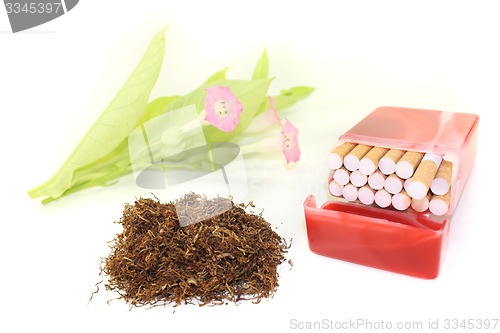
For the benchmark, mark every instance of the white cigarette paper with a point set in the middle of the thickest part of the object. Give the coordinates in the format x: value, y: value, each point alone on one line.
x: 335, y: 159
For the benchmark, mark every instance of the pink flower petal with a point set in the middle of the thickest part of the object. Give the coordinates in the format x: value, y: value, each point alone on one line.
x: 222, y: 108
x: 275, y: 116
x: 265, y: 121
x: 291, y: 148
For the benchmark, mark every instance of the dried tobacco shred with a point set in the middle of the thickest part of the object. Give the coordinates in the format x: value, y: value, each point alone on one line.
x: 232, y: 256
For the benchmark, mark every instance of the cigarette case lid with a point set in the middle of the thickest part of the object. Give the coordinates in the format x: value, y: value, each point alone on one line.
x: 414, y: 129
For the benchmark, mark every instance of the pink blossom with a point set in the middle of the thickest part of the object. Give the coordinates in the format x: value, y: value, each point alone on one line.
x: 290, y: 142
x: 222, y: 108
x: 274, y: 113
x: 267, y: 120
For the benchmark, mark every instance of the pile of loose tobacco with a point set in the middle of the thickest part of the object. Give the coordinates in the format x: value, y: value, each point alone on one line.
x: 231, y: 256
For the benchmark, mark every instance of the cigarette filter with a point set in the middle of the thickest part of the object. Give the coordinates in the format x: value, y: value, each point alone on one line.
x: 387, y: 163
x: 369, y: 163
x: 336, y: 158
x: 393, y: 184
x: 408, y: 163
x: 440, y: 204
x: 442, y: 182
x: 383, y: 198
x: 358, y: 179
x: 351, y: 160
x: 341, y: 176
x: 366, y: 195
x: 401, y: 200
x: 335, y: 188
x: 377, y: 180
x: 421, y: 205
x: 350, y: 192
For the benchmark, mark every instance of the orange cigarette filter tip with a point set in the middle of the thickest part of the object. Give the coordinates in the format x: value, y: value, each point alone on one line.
x: 424, y: 175
x: 335, y: 159
x: 351, y: 160
x: 442, y: 182
x: 387, y: 164
x: 408, y: 163
x: 369, y: 163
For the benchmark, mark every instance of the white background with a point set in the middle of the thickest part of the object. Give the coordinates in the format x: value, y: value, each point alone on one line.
x: 55, y: 80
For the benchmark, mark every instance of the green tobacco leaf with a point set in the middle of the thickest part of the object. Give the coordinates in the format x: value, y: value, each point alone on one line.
x: 157, y: 107
x: 288, y: 97
x: 218, y: 76
x: 115, y: 123
x: 261, y: 70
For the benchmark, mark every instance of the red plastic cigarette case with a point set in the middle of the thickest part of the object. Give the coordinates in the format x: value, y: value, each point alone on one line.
x: 405, y: 242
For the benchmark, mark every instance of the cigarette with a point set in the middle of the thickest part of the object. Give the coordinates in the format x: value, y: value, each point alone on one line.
x: 369, y: 163
x: 358, y: 179
x: 393, y: 184
x: 336, y: 158
x: 405, y: 184
x: 439, y: 204
x: 366, y: 195
x: 341, y: 176
x: 401, y: 200
x: 350, y: 192
x: 442, y: 182
x: 424, y: 175
x: 335, y: 188
x: 383, y: 198
x: 408, y: 163
x: 377, y: 180
x: 421, y: 205
x: 351, y: 160
x: 387, y: 163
